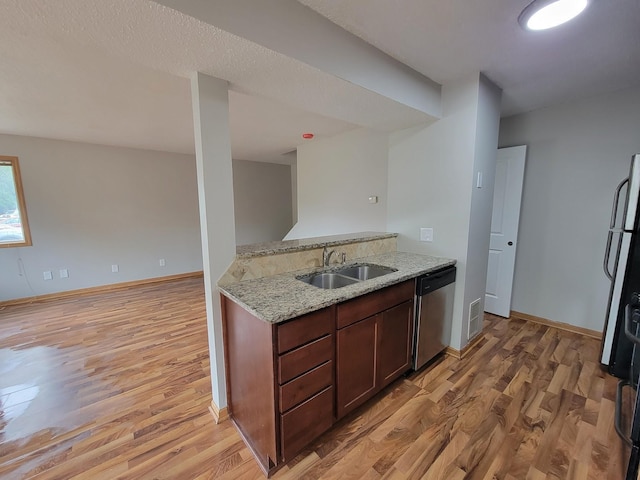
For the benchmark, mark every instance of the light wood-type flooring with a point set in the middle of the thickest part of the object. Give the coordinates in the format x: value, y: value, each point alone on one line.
x: 116, y: 385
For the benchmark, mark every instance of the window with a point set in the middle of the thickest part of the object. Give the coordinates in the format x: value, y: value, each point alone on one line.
x: 14, y: 229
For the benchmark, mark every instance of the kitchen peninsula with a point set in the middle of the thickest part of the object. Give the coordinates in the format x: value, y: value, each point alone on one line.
x: 299, y: 357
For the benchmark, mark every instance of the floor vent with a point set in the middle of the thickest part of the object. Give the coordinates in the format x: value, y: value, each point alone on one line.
x: 475, y: 319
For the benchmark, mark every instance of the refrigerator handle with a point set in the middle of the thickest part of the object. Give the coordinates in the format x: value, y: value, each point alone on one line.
x: 616, y: 201
x: 631, y: 315
x: 612, y: 224
x: 607, y: 254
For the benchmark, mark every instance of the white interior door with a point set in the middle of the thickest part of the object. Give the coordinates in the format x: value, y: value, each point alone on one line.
x: 507, y: 196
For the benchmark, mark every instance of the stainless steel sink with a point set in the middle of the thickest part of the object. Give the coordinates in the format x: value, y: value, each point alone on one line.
x: 327, y: 280
x: 365, y: 271
x: 344, y: 276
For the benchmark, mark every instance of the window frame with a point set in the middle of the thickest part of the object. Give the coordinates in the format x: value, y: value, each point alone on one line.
x: 22, y: 206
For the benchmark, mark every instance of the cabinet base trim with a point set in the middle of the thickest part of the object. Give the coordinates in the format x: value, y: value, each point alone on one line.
x: 219, y: 414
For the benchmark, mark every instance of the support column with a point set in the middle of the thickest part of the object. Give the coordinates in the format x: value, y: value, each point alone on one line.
x: 210, y: 99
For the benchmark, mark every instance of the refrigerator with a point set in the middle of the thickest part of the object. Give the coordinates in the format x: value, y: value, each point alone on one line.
x: 622, y: 267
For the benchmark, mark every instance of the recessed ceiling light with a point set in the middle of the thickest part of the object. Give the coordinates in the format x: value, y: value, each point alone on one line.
x: 543, y: 14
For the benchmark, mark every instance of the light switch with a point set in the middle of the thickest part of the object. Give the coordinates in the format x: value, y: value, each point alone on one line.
x: 64, y: 273
x: 115, y: 268
x: 373, y: 199
x: 426, y: 234
x: 47, y: 275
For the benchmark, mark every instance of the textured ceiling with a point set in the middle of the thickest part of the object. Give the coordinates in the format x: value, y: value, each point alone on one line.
x: 116, y: 72
x: 597, y: 52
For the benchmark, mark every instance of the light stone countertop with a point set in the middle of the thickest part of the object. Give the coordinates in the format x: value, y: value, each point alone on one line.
x: 272, y: 248
x: 281, y: 297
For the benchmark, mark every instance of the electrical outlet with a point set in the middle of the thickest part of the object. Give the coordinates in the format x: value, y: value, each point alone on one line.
x: 47, y: 275
x: 426, y: 234
x: 115, y: 268
x: 162, y: 262
x: 64, y: 273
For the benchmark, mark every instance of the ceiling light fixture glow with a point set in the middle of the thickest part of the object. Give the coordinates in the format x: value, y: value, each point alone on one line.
x: 543, y: 14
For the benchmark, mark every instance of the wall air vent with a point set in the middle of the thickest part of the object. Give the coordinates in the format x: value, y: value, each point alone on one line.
x: 475, y: 319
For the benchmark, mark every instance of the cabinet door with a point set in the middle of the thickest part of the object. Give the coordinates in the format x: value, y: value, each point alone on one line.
x: 356, y: 364
x: 394, y: 342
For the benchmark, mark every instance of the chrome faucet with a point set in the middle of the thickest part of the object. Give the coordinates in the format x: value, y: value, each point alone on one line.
x: 326, y: 256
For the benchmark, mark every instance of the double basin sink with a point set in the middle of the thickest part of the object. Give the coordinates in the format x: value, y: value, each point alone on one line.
x: 344, y: 276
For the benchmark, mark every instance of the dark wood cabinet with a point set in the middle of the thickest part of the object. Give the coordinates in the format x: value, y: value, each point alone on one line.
x: 280, y: 380
x: 305, y: 367
x: 305, y: 386
x: 306, y: 422
x: 250, y: 375
x: 394, y: 342
x: 304, y: 358
x: 287, y: 383
x: 356, y: 352
x: 373, y: 344
x: 372, y: 303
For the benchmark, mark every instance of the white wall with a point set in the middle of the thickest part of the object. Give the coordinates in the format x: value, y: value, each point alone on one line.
x: 336, y: 176
x: 291, y: 159
x: 432, y: 173
x: 262, y: 199
x: 93, y: 206
x: 576, y: 155
x: 485, y: 145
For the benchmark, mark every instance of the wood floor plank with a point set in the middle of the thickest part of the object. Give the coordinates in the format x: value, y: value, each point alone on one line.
x: 116, y: 386
x: 444, y: 466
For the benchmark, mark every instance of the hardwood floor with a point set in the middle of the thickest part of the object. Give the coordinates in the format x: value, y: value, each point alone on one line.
x: 116, y: 385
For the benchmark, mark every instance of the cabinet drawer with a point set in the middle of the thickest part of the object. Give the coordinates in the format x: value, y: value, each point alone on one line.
x: 362, y: 307
x: 304, y: 329
x: 305, y: 423
x: 303, y: 359
x: 305, y: 386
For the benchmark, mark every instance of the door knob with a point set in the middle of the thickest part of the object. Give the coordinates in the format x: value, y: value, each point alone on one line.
x: 509, y: 243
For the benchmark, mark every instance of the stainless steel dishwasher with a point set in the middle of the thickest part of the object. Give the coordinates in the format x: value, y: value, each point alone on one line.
x: 434, y: 312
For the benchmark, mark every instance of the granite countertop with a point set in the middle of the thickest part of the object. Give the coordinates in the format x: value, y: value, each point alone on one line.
x: 281, y: 297
x: 271, y: 248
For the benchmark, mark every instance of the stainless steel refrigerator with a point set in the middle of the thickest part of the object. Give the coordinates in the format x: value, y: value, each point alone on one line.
x: 622, y: 266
